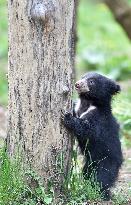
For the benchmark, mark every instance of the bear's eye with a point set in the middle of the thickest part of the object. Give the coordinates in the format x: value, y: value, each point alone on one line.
x: 91, y: 82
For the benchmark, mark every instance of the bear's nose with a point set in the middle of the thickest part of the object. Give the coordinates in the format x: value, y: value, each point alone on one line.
x: 77, y: 85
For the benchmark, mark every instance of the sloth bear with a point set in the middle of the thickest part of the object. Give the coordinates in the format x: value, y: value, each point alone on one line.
x: 96, y: 130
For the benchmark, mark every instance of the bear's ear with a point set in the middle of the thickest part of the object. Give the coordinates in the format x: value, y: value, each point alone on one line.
x: 114, y: 88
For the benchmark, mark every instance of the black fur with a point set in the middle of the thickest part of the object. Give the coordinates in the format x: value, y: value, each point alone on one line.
x: 97, y: 131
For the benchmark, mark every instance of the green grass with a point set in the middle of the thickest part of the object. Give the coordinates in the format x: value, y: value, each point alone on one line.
x: 11, y: 181
x: 13, y: 186
x: 15, y: 191
x: 122, y: 197
x: 78, y: 189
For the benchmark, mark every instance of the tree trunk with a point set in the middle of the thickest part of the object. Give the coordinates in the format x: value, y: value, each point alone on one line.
x: 122, y: 13
x: 41, y: 57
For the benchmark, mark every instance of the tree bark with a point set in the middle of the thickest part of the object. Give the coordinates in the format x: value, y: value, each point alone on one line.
x: 41, y: 60
x: 122, y: 13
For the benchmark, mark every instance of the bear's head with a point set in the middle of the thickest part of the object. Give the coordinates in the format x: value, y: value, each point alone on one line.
x: 96, y: 86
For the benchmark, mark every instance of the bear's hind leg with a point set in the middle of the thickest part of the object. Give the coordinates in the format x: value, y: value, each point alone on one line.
x: 103, y: 177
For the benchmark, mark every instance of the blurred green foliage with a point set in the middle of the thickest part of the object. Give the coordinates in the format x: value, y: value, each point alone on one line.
x: 102, y: 44
x: 3, y: 52
x: 3, y: 30
x: 122, y: 110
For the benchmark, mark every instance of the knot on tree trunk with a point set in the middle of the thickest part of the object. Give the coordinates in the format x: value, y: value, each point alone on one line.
x: 42, y: 11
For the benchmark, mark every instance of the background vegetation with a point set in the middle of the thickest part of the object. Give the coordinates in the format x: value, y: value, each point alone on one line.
x: 3, y: 52
x: 102, y: 46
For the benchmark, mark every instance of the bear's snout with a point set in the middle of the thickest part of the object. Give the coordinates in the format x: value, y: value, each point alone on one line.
x: 81, y: 86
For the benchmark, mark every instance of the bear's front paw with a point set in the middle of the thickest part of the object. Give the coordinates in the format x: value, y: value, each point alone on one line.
x: 65, y: 116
